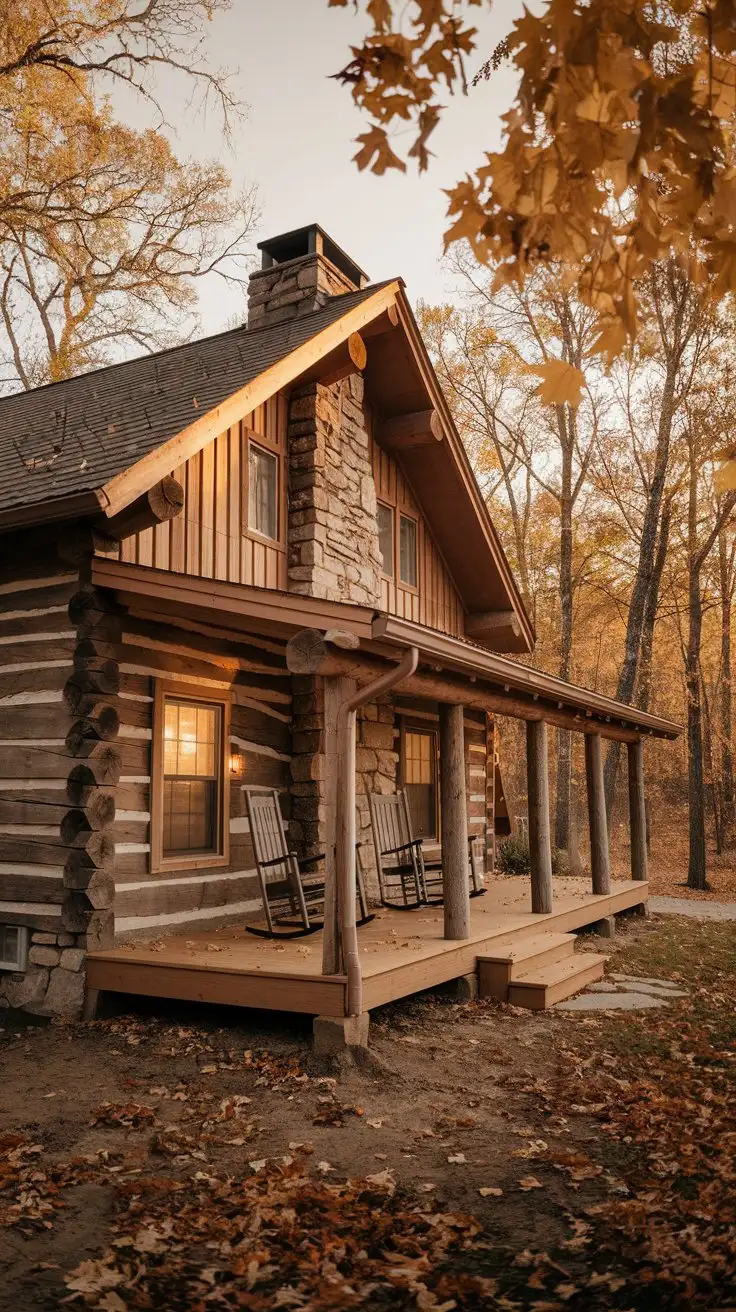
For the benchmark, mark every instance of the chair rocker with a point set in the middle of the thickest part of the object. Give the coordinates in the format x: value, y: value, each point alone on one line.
x: 293, y: 906
x: 407, y: 880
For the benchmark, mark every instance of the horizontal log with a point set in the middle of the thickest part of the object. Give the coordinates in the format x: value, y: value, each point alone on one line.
x: 18, y: 684
x: 161, y: 503
x: 90, y: 607
x: 77, y: 825
x: 384, y: 323
x: 487, y: 623
x: 80, y: 541
x: 44, y: 720
x: 83, y: 684
x: 350, y: 357
x: 25, y: 809
x: 451, y: 687
x: 76, y: 912
x: 88, y: 775
x: 19, y: 887
x: 101, y: 725
x: 419, y: 428
x: 92, y: 652
x: 40, y: 851
x: 97, y: 885
x: 98, y: 854
x: 17, y: 654
x: 37, y: 915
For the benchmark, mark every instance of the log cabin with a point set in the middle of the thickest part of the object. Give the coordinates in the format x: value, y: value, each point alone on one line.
x: 266, y: 551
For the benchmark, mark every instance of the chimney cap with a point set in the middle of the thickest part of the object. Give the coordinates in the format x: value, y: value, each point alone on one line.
x: 310, y: 240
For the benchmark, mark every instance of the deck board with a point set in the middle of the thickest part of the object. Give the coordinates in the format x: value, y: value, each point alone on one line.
x: 401, y: 952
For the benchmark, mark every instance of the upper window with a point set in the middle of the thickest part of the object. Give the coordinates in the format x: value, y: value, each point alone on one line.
x: 408, y: 550
x: 386, y: 537
x: 192, y: 765
x: 263, y: 491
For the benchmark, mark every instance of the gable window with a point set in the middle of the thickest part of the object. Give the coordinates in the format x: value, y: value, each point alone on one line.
x: 419, y: 775
x: 190, y: 780
x: 263, y: 491
x: 408, y: 550
x: 386, y: 537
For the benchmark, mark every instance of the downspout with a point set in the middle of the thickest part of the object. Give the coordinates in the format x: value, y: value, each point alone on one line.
x: 345, y: 826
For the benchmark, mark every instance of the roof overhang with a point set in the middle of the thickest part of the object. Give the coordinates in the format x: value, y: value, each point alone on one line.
x: 508, y: 687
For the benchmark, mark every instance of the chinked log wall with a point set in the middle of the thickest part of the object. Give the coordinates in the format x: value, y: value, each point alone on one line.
x: 255, y: 675
x: 59, y: 761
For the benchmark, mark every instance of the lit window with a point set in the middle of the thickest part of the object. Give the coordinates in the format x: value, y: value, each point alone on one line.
x: 419, y: 777
x: 386, y: 538
x: 192, y: 783
x: 263, y: 494
x: 408, y: 551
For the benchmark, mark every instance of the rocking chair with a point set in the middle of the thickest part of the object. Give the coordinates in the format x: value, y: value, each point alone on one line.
x: 293, y: 907
x: 407, y: 880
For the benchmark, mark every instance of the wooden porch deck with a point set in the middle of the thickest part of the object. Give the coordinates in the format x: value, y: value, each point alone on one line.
x: 401, y: 952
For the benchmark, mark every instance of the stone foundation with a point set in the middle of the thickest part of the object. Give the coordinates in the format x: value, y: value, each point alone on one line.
x: 53, y: 983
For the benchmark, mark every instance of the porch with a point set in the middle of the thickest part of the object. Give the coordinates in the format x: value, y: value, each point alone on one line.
x: 401, y: 953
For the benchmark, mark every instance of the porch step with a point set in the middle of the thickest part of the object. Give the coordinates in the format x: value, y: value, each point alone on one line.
x: 543, y: 987
x: 513, y: 958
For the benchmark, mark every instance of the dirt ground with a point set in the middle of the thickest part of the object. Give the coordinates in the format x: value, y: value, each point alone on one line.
x: 456, y: 1111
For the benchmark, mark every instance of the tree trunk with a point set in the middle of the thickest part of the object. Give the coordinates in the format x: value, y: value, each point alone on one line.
x: 696, y: 875
x: 644, y: 686
x: 726, y: 698
x: 564, y: 744
x: 642, y: 593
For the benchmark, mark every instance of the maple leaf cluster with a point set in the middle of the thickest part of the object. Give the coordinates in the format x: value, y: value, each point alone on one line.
x: 617, y: 151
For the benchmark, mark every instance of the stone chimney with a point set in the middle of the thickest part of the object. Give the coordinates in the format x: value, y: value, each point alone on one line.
x: 299, y: 272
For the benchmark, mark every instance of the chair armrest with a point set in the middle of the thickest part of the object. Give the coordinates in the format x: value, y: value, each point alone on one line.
x: 277, y: 860
x: 309, y: 860
x: 403, y: 847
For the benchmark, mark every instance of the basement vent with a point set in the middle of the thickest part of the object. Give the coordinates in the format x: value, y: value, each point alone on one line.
x: 13, y: 947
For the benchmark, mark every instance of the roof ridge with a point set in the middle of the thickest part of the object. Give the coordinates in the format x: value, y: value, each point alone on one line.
x: 196, y: 341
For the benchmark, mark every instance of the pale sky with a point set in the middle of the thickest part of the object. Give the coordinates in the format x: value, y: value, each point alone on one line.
x: 297, y: 142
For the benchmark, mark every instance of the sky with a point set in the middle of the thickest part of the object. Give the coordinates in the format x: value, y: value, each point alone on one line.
x: 297, y: 142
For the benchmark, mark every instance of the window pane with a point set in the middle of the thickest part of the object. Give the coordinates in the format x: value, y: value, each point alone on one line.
x: 262, y: 491
x: 408, y: 551
x: 420, y: 782
x: 386, y: 537
x: 192, y: 776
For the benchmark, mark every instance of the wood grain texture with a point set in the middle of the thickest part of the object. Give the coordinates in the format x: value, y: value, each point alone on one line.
x: 210, y: 538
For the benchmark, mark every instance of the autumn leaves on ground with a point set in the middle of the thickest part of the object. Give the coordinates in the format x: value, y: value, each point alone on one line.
x: 480, y: 1157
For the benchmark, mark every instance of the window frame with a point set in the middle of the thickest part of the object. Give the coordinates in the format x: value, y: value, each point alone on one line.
x: 19, y: 964
x: 271, y: 448
x: 392, y: 509
x: 160, y: 864
x: 401, y: 582
x: 409, y: 725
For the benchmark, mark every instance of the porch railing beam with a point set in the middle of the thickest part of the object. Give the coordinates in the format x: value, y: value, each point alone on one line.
x: 637, y: 811
x: 540, y: 842
x: 454, y: 822
x: 600, y: 861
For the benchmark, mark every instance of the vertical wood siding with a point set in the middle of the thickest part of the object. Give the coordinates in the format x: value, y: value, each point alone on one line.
x: 436, y: 601
x: 208, y: 539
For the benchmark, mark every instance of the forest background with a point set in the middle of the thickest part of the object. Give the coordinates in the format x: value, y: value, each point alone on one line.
x: 593, y: 409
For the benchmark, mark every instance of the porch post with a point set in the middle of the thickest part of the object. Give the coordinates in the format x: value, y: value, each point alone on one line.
x: 600, y: 862
x: 454, y: 822
x: 637, y: 810
x: 540, y: 845
x: 336, y: 691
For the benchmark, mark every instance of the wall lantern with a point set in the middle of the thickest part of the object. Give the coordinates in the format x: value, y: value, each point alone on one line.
x: 237, y: 765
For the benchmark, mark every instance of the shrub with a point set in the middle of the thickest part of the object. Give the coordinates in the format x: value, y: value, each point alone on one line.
x: 513, y: 856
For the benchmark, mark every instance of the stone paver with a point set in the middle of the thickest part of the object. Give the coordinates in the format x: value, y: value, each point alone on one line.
x: 643, y: 979
x: 682, y: 906
x: 610, y: 1002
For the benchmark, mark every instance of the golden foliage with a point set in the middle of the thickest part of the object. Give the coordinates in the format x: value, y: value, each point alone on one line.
x: 617, y: 150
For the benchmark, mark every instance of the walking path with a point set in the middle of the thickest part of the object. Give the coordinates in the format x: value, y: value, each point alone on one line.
x: 682, y: 906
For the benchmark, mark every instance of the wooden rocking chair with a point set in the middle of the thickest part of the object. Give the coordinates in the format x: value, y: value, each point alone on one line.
x: 403, y: 871
x: 292, y: 906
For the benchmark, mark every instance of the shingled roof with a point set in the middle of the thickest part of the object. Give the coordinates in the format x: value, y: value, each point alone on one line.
x: 72, y: 437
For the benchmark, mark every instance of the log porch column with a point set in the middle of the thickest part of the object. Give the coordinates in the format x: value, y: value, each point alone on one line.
x: 540, y: 845
x: 637, y: 811
x: 454, y: 823
x: 600, y: 862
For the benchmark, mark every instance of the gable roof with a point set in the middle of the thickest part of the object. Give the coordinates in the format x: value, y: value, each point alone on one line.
x: 92, y: 444
x: 75, y: 436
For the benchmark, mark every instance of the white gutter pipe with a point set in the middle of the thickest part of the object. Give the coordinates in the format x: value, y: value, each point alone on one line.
x: 345, y: 820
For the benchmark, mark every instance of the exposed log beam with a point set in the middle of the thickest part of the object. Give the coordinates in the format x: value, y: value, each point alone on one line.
x: 350, y: 357
x: 318, y: 657
x: 162, y: 502
x: 421, y: 428
x: 454, y: 822
x: 491, y: 622
x: 384, y: 323
x: 600, y: 861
